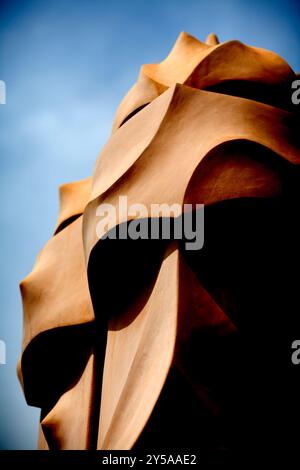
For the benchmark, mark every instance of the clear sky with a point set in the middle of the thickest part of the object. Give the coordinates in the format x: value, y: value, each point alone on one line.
x: 67, y: 64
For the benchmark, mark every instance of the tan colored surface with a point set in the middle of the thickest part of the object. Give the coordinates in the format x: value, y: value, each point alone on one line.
x: 190, y: 123
x: 129, y: 392
x: 177, y: 138
x: 42, y: 443
x: 212, y: 40
x: 69, y: 421
x: 55, y: 294
x: 72, y: 199
x: 201, y: 65
x: 141, y: 346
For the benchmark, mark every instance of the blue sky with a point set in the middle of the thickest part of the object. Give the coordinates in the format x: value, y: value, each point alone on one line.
x: 67, y: 64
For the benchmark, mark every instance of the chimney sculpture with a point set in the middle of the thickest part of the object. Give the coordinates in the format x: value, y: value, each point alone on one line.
x: 133, y: 341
